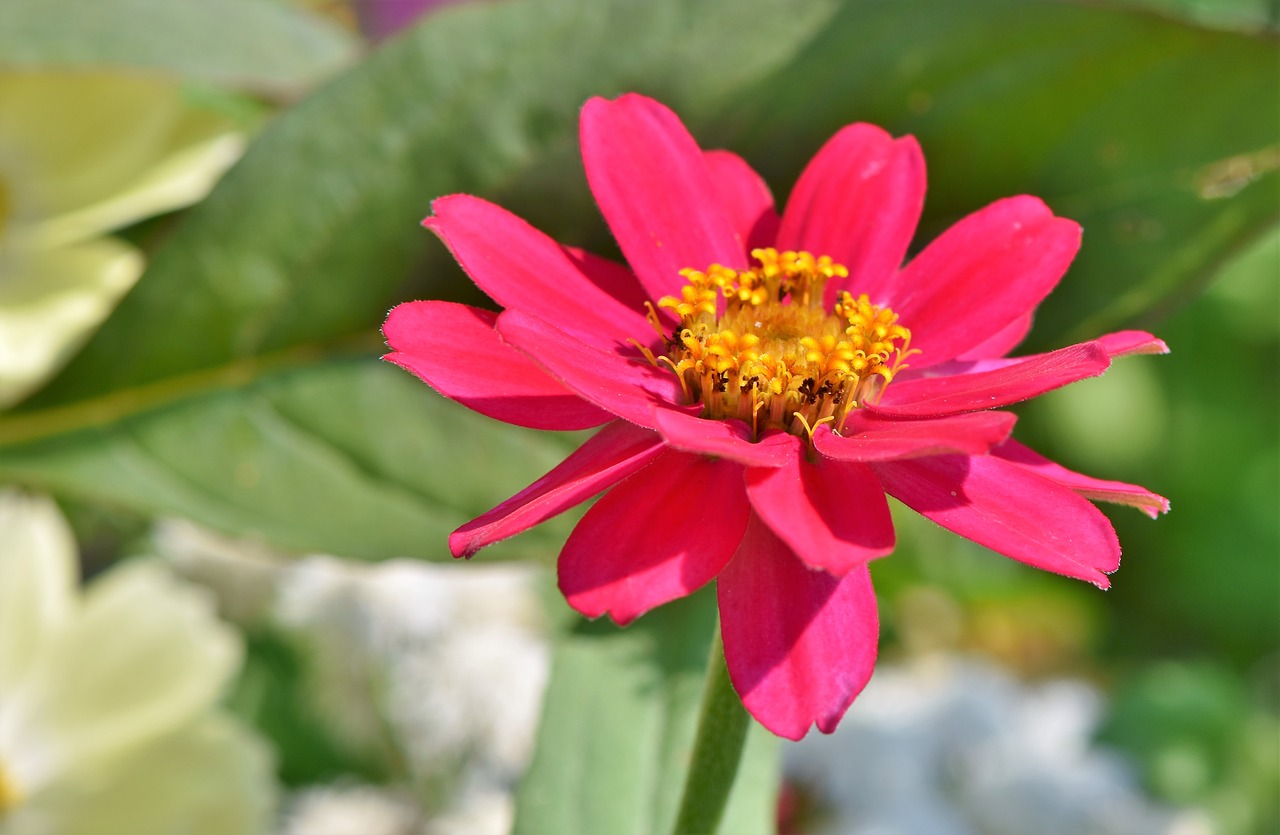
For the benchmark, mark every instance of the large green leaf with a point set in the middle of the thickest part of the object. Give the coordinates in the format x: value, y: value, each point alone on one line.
x: 304, y: 246
x: 618, y: 727
x: 308, y: 241
x: 256, y: 44
x: 311, y: 236
x: 348, y: 457
x: 1160, y: 138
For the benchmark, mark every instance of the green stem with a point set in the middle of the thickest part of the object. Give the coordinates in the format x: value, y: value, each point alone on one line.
x: 722, y: 729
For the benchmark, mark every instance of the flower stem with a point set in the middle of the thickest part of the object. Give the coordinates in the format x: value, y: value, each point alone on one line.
x: 722, y: 729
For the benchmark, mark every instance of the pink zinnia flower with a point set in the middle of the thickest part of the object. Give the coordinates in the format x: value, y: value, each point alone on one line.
x: 762, y: 382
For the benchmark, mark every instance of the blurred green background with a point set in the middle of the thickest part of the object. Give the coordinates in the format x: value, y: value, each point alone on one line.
x: 237, y: 384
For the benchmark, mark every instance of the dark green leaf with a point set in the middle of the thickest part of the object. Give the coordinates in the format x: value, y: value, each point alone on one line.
x: 1159, y: 138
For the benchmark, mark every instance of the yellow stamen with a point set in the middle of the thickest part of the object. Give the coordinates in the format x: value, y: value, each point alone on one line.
x: 774, y: 358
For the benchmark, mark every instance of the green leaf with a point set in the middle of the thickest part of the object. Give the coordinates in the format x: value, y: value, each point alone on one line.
x: 618, y: 727
x: 305, y: 245
x: 1240, y: 15
x: 310, y: 238
x: 1158, y: 137
x: 255, y: 44
x: 301, y: 250
x: 350, y: 457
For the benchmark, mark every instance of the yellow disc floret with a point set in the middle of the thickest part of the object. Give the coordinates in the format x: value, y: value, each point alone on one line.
x: 769, y: 354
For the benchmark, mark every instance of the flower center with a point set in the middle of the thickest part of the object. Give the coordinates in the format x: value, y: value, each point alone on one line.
x: 775, y: 359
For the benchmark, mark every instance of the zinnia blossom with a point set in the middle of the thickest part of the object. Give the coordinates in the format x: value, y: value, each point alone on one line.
x: 763, y: 382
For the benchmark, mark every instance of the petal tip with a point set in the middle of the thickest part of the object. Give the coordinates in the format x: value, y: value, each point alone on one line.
x: 462, y: 544
x: 438, y: 207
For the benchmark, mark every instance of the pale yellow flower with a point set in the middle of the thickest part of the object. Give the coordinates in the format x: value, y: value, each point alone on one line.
x: 82, y: 154
x: 108, y: 722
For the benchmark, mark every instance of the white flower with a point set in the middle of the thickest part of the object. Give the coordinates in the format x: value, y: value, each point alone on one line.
x: 951, y: 747
x: 107, y: 724
x: 457, y: 651
x: 351, y: 809
x: 436, y: 669
x: 82, y: 154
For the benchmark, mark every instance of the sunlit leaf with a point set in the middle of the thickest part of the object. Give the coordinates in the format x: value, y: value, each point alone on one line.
x: 348, y: 457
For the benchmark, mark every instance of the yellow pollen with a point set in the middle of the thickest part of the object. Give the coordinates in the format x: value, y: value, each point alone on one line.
x: 774, y: 358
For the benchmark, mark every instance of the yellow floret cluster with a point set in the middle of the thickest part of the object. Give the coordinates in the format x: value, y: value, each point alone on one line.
x: 758, y: 345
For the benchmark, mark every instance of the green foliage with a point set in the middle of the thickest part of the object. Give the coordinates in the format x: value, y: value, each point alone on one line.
x: 1108, y: 116
x: 291, y: 263
x: 348, y: 457
x: 618, y: 728
x: 274, y: 692
x: 1199, y: 739
x: 295, y: 259
x: 1200, y: 426
x: 238, y: 385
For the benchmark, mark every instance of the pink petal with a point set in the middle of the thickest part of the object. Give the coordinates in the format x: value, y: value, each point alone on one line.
x: 1013, y: 381
x: 833, y: 514
x: 522, y: 269
x: 629, y: 387
x: 609, y: 456
x: 650, y: 181
x: 858, y: 200
x: 745, y: 197
x: 1114, y: 345
x: 1096, y: 489
x: 661, y: 534
x: 725, y: 438
x: 868, y: 438
x: 800, y: 644
x: 982, y: 275
x: 1124, y: 343
x: 454, y: 349
x: 1001, y: 342
x: 1010, y: 510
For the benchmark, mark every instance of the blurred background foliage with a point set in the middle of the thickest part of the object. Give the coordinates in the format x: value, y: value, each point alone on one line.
x: 237, y: 385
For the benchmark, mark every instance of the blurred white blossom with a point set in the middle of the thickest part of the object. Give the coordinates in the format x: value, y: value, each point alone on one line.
x: 440, y: 667
x: 82, y: 154
x: 944, y: 746
x: 344, y: 810
x: 107, y: 717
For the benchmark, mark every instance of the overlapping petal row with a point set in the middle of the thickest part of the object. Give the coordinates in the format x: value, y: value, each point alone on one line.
x: 786, y: 523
